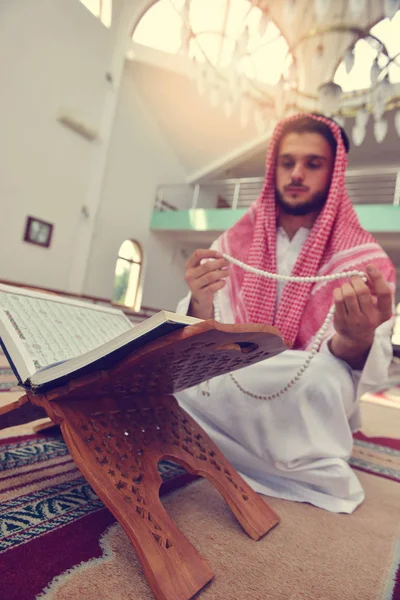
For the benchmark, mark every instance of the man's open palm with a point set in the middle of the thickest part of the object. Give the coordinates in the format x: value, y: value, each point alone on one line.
x: 362, y: 307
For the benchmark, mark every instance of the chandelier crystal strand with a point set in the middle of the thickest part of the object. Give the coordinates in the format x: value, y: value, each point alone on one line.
x: 319, y: 336
x: 236, y: 48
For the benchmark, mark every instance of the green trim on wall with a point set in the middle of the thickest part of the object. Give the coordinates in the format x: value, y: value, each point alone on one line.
x: 378, y: 217
x: 197, y: 219
x: 373, y: 217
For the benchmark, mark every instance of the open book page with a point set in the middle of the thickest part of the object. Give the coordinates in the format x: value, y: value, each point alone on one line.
x: 103, y: 357
x: 54, y: 329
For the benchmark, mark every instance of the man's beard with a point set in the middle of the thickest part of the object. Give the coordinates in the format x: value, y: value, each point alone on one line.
x: 315, y: 204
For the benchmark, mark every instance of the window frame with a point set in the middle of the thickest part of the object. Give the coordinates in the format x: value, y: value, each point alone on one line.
x: 137, y: 300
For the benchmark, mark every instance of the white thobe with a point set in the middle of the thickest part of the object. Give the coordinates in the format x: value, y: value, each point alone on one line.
x: 296, y: 446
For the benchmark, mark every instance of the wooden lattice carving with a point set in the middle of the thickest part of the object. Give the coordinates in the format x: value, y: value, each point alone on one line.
x: 181, y: 360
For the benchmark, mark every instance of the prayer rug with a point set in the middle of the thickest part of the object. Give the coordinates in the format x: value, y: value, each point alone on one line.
x: 58, y: 542
x: 50, y: 518
x: 377, y: 456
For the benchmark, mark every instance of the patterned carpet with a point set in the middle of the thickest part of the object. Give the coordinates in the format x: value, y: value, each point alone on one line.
x: 377, y: 456
x: 51, y: 520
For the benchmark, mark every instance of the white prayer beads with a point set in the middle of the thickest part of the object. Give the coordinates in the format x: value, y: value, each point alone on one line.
x: 320, y: 334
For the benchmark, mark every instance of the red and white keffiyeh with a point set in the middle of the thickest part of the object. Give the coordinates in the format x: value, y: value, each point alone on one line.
x: 336, y: 242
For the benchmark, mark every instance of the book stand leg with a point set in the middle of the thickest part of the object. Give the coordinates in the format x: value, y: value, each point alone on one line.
x: 117, y: 443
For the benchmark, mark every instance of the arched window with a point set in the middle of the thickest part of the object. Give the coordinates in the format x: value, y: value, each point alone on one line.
x: 102, y: 9
x: 127, y: 275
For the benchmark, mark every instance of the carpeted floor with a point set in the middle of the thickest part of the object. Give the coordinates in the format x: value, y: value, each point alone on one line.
x: 58, y: 542
x: 311, y: 555
x: 50, y: 518
x: 55, y: 528
x: 57, y: 533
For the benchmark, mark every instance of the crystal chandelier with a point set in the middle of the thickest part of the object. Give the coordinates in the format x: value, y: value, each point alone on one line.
x: 272, y: 58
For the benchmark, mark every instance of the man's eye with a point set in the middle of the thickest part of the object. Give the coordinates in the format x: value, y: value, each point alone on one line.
x: 314, y: 165
x: 287, y: 165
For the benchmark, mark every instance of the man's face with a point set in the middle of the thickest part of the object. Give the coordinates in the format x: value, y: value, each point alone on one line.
x: 303, y: 172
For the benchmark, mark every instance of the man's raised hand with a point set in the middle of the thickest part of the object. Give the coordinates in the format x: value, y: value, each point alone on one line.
x: 359, y: 309
x: 206, y: 272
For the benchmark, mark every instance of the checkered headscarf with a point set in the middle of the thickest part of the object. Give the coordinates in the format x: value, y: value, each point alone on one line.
x: 336, y: 242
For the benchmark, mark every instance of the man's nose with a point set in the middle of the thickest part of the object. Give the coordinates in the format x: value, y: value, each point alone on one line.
x: 298, y: 173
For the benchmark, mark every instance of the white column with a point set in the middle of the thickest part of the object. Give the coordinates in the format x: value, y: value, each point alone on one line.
x: 122, y: 22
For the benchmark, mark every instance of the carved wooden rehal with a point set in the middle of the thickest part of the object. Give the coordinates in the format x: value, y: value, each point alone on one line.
x: 120, y: 422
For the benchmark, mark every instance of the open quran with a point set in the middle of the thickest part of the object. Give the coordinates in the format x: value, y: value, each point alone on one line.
x: 48, y: 338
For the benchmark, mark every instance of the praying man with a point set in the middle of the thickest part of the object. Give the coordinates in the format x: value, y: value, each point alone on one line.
x: 297, y: 445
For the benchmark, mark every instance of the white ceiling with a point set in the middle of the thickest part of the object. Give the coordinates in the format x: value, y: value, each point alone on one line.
x: 199, y: 134
x: 207, y: 143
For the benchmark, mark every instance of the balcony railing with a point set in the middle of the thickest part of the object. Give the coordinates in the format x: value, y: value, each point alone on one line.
x: 364, y: 186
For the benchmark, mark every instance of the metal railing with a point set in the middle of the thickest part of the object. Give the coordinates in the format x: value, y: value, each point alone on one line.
x: 380, y: 185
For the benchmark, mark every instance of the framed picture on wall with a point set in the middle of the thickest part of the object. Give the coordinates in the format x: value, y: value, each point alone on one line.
x: 38, y: 232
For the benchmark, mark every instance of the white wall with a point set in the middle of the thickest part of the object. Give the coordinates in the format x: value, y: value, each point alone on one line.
x: 139, y: 159
x: 164, y: 282
x: 53, y: 54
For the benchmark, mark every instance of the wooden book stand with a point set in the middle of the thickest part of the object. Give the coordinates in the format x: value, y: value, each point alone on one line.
x: 119, y: 423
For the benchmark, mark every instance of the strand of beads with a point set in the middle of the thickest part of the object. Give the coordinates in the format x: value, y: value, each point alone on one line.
x: 320, y: 334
